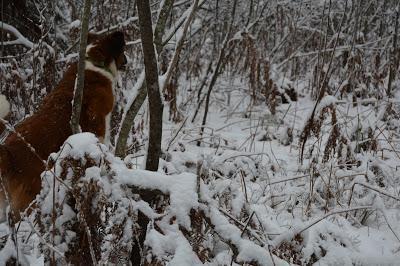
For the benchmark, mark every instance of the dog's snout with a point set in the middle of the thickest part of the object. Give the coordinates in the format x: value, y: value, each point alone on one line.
x: 122, y: 61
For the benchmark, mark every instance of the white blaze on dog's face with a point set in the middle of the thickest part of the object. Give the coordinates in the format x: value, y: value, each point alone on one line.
x: 106, y: 55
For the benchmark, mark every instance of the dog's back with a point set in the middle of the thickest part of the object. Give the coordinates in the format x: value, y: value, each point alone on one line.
x: 23, y: 153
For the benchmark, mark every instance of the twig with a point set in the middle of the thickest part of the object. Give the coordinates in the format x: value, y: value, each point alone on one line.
x: 390, y: 227
x: 292, y: 233
x: 394, y: 150
x: 89, y: 236
x: 215, y: 74
x: 247, y: 224
x: 333, y: 213
x: 43, y: 241
x: 244, y: 155
x: 288, y: 179
x: 176, y: 133
x: 372, y: 188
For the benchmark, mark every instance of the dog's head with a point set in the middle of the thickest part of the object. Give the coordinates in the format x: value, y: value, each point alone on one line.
x: 107, y: 51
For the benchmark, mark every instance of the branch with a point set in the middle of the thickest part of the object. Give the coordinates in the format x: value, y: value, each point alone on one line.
x: 21, y: 39
x: 165, y: 10
x: 290, y: 234
x: 243, y: 250
x: 216, y: 70
x: 80, y: 79
x: 371, y: 188
x: 130, y: 114
x: 179, y: 44
x: 179, y: 23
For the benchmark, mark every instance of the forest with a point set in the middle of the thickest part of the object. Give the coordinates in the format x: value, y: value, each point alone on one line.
x: 253, y: 132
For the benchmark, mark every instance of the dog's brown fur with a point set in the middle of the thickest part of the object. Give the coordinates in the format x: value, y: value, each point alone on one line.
x: 49, y: 127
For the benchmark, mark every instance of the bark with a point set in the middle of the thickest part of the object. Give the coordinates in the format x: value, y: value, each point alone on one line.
x: 80, y: 79
x: 393, y: 60
x: 137, y: 103
x: 155, y: 107
x: 153, y: 89
x: 161, y: 22
x: 129, y: 118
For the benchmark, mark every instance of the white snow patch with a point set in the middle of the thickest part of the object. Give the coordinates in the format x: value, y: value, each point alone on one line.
x: 75, y: 24
x: 248, y: 251
x: 4, y: 106
x: 181, y: 188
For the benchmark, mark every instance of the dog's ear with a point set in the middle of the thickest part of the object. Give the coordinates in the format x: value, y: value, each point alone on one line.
x: 108, y: 48
x: 116, y: 43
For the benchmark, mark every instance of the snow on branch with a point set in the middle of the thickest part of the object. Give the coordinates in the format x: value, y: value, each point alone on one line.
x: 290, y: 234
x: 246, y: 249
x: 20, y: 39
x: 96, y: 183
x: 181, y: 188
x: 99, y: 193
x: 179, y: 44
x: 172, y: 31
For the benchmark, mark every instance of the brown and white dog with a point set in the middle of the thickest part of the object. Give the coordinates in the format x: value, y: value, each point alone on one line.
x: 49, y: 127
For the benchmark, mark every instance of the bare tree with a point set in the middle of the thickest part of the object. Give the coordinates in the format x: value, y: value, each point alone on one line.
x: 80, y: 79
x: 153, y: 88
x: 137, y: 103
x: 394, y: 61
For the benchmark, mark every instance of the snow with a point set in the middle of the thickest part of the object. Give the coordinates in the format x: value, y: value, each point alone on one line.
x: 20, y: 39
x: 181, y: 188
x: 234, y: 167
x: 326, y: 101
x: 75, y: 24
x: 77, y: 146
x: 4, y: 106
x: 86, y: 148
x: 172, y: 243
x: 255, y: 201
x: 248, y: 251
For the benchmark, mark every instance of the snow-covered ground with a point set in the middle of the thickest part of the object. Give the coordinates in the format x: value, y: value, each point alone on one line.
x: 248, y: 182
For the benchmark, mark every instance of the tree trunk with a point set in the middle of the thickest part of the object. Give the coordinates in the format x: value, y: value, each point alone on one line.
x: 393, y: 55
x: 153, y: 89
x: 80, y: 79
x: 134, y: 108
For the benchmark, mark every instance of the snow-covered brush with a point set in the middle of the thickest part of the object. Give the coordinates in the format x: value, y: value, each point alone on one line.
x: 72, y: 215
x: 92, y: 214
x: 247, y: 58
